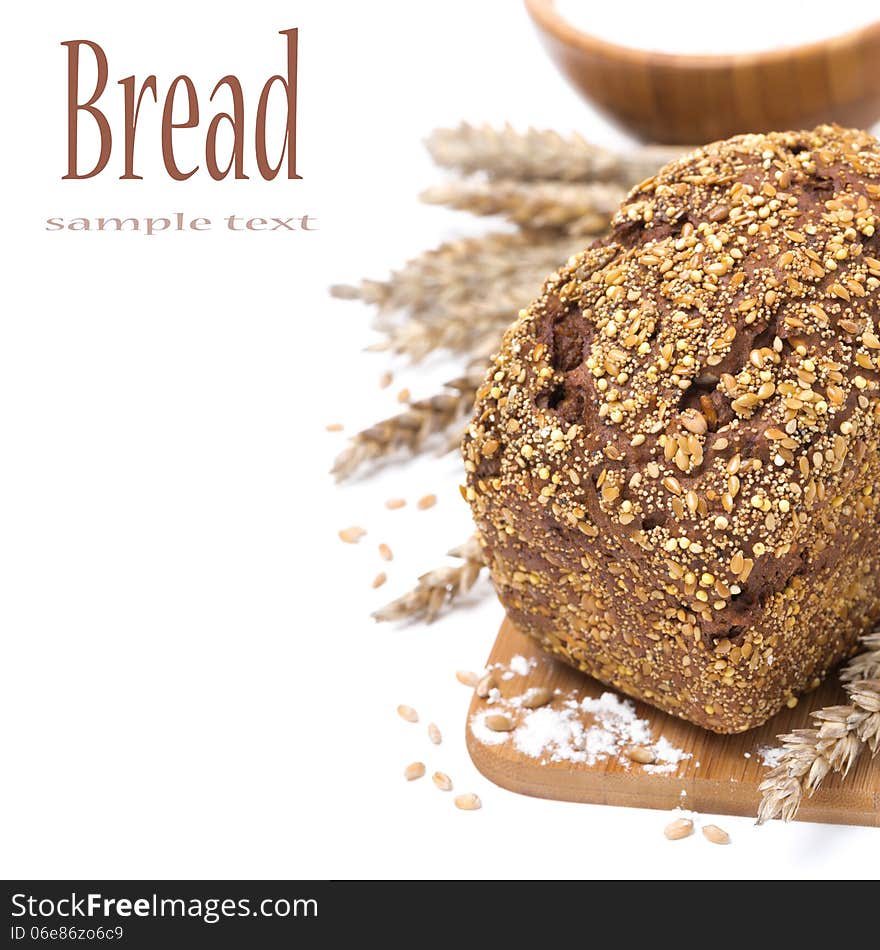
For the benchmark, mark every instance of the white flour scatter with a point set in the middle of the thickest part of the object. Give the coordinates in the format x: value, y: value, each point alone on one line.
x: 518, y: 666
x: 668, y: 757
x: 483, y: 733
x: 578, y: 730
x: 521, y: 666
x: 650, y: 26
x: 770, y: 756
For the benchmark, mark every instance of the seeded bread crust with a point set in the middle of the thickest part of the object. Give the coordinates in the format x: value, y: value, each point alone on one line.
x: 674, y: 461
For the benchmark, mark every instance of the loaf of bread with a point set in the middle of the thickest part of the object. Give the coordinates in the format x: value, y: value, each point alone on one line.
x: 674, y: 464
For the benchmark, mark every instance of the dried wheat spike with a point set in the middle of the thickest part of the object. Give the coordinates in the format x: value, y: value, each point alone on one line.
x: 534, y: 155
x: 644, y: 162
x: 437, y: 588
x: 572, y: 208
x: 464, y: 310
x: 472, y: 328
x: 461, y: 272
x: 841, y: 734
x: 865, y: 666
x: 411, y: 431
x: 457, y: 264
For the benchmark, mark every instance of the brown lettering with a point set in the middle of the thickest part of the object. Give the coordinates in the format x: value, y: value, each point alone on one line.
x: 267, y: 170
x: 236, y: 120
x: 132, y: 110
x: 168, y: 125
x: 74, y: 106
x: 133, y: 97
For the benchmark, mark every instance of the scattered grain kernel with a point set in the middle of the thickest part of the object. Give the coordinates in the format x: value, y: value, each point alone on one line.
x: 385, y: 552
x: 486, y: 684
x: 407, y: 713
x: 404, y: 395
x: 386, y: 379
x: 468, y: 802
x: 379, y: 579
x: 678, y: 829
x: 334, y: 427
x: 499, y: 723
x: 426, y: 501
x: 413, y: 771
x: 640, y: 754
x: 537, y: 696
x: 352, y: 535
x: 394, y: 503
x: 434, y: 733
x: 442, y: 781
x: 467, y: 678
x: 715, y: 834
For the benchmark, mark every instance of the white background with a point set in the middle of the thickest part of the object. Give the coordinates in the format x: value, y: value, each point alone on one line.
x: 192, y: 686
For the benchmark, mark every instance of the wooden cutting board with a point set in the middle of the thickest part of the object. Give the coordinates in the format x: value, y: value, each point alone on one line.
x: 718, y: 778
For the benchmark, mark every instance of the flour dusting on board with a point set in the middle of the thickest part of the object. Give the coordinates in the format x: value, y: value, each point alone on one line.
x: 578, y: 730
x: 770, y: 756
x: 518, y: 666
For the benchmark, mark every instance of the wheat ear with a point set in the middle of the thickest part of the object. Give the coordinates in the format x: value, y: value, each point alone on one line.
x: 437, y: 588
x: 411, y: 430
x: 841, y: 735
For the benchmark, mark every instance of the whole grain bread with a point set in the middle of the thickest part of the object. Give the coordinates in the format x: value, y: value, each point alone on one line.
x: 674, y: 460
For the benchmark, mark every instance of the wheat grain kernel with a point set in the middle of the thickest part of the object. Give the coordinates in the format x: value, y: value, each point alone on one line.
x: 413, y: 771
x: 407, y: 713
x: 715, y: 834
x: 678, y: 829
x: 434, y: 733
x: 426, y: 501
x: 498, y: 723
x: 385, y: 552
x: 486, y: 684
x: 640, y: 754
x: 351, y: 535
x: 467, y: 678
x: 442, y: 781
x: 379, y: 579
x: 468, y: 802
x: 537, y: 696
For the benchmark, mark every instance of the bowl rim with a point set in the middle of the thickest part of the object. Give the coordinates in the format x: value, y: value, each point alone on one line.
x: 545, y: 14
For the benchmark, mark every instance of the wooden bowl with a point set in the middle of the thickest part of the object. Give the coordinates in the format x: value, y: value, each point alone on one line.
x: 679, y: 99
